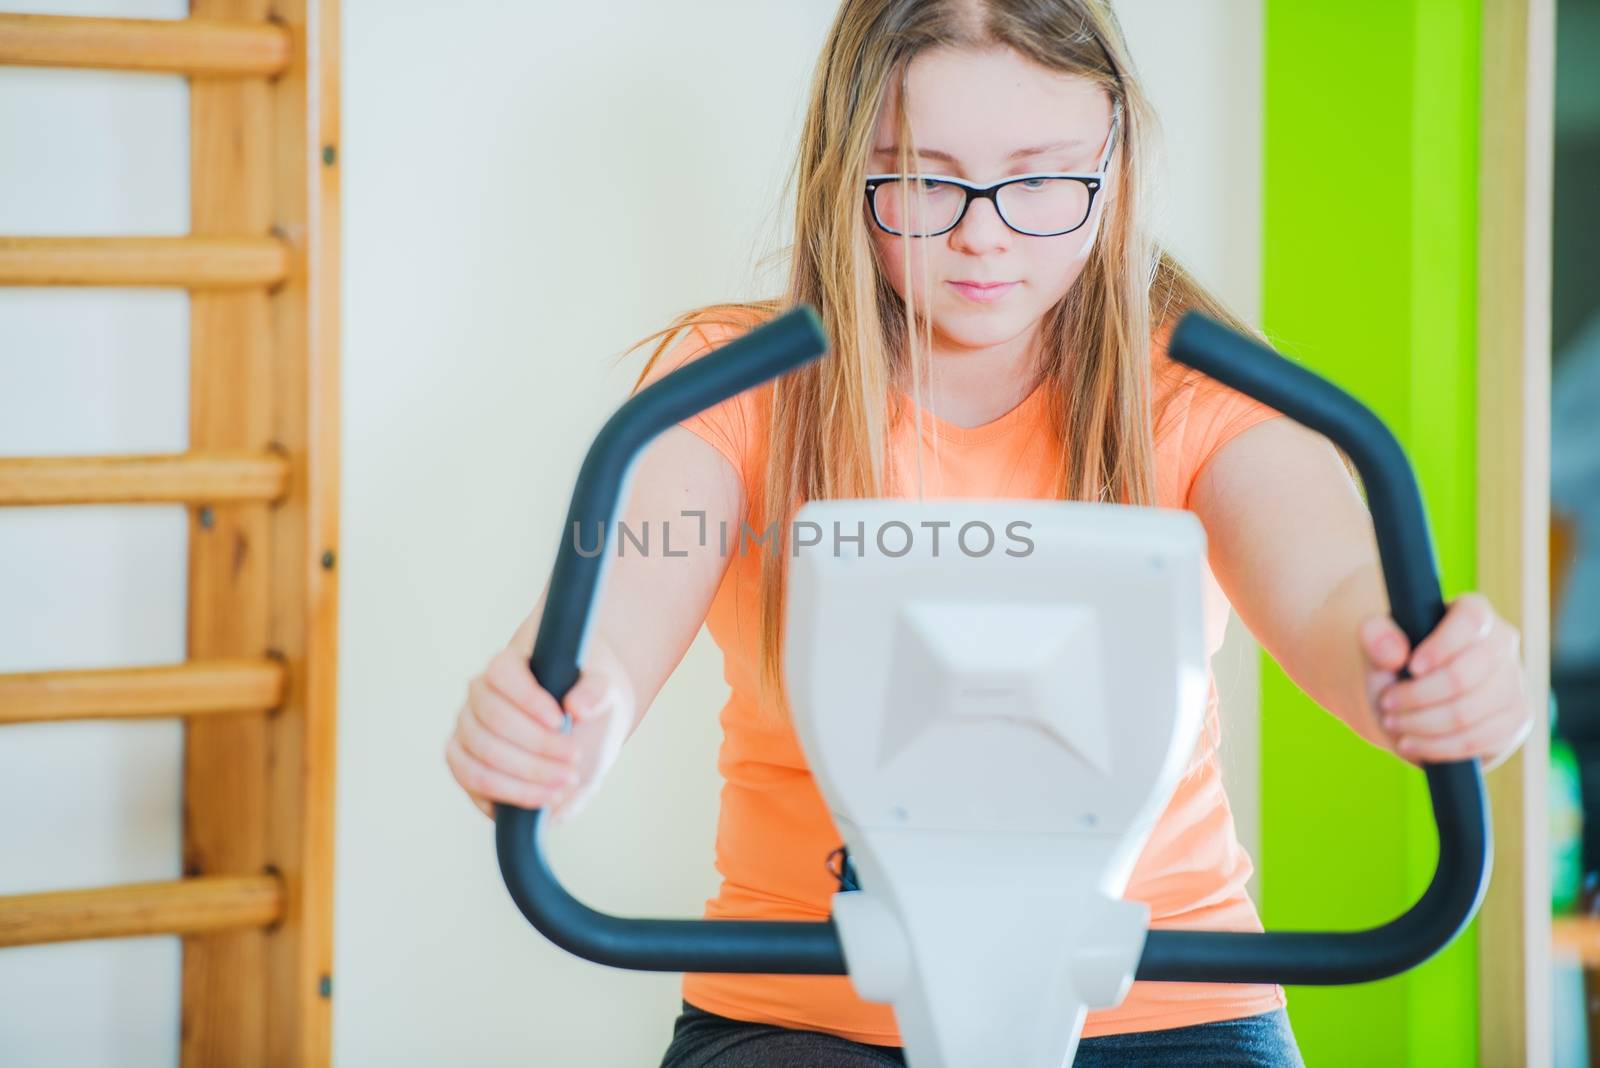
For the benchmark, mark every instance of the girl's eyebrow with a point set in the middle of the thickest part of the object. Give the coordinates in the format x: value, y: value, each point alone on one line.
x: 1021, y: 153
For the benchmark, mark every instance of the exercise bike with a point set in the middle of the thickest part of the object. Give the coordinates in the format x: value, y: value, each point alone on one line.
x: 1072, y: 673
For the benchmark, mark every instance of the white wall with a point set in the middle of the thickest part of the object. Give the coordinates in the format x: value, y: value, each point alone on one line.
x: 1201, y: 64
x: 485, y: 293
x: 484, y: 296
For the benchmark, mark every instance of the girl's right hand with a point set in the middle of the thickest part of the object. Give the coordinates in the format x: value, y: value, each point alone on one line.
x: 508, y: 744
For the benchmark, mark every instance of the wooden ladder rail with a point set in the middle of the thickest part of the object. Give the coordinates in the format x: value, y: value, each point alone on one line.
x: 260, y: 482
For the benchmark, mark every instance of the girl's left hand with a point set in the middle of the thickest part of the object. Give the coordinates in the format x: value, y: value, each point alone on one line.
x: 1466, y: 696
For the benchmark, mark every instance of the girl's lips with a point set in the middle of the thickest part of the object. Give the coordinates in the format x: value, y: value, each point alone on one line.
x: 983, y: 293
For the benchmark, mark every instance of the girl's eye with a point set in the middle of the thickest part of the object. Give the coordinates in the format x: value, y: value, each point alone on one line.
x: 929, y: 185
x: 1034, y: 183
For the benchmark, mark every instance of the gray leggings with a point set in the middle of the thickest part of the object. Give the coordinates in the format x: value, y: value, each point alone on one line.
x: 702, y: 1039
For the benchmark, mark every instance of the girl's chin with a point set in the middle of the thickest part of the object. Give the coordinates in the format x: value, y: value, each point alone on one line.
x: 978, y: 330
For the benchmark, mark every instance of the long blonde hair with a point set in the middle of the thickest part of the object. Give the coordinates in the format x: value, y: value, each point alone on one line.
x: 826, y: 425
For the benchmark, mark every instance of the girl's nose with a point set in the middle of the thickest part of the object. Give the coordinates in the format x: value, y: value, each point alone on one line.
x: 981, y: 230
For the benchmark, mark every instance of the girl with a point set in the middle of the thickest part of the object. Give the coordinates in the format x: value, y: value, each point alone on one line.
x: 970, y: 222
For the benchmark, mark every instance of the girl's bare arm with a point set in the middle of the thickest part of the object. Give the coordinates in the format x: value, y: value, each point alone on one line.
x: 1292, y: 544
x: 652, y: 605
x: 508, y: 744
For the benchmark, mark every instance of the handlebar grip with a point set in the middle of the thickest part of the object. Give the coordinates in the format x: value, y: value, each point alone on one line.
x: 785, y: 343
x: 1411, y: 576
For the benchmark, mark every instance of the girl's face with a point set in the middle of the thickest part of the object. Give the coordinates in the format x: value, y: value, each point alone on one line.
x: 984, y: 116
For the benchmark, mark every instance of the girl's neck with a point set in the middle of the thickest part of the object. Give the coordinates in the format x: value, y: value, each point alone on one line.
x: 971, y: 387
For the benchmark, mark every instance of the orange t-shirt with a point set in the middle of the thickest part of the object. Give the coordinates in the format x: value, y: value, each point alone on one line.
x: 774, y: 833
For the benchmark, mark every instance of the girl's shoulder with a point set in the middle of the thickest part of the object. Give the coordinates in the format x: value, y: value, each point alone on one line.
x: 702, y: 330
x: 1193, y: 416
x: 731, y: 427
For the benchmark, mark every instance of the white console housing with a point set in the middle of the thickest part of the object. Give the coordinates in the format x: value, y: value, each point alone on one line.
x: 997, y: 699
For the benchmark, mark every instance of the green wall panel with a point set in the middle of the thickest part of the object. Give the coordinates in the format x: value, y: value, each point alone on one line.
x: 1369, y: 277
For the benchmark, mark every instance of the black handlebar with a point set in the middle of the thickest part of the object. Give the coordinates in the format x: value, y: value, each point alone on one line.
x: 1459, y: 808
x: 649, y: 945
x: 813, y: 948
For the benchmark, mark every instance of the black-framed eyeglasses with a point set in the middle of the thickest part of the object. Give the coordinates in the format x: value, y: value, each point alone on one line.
x: 1047, y: 204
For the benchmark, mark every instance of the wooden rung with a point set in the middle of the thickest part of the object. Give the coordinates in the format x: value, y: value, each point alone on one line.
x: 184, y: 478
x: 203, y: 687
x: 173, y: 262
x: 185, y: 46
x: 187, y: 906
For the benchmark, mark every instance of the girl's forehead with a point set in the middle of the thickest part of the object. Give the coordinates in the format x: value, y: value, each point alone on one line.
x: 986, y: 105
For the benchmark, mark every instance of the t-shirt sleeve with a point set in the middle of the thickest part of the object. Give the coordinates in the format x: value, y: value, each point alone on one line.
x: 1216, y: 415
x: 729, y: 426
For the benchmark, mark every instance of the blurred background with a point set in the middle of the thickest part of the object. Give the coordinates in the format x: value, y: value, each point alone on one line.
x: 1575, y: 508
x: 485, y: 303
